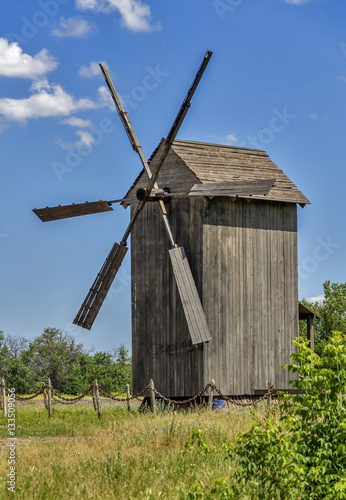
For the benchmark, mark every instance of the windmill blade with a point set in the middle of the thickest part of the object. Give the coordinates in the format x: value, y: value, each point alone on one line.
x: 103, y: 282
x: 97, y: 293
x: 233, y: 188
x: 180, y: 117
x: 75, y: 210
x: 194, y: 314
x: 170, y: 138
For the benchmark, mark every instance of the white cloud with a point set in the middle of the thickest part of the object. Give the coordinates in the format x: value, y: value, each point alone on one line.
x: 84, y: 142
x: 73, y: 121
x: 231, y: 138
x: 47, y: 100
x: 342, y: 78
x: 15, y: 63
x: 297, y: 2
x: 89, y: 71
x: 318, y: 298
x: 135, y: 15
x: 313, y: 116
x: 105, y: 98
x: 75, y: 27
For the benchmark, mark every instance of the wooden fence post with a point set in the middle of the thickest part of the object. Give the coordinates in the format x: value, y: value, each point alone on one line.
x: 211, y: 396
x: 93, y: 392
x: 128, y: 395
x: 152, y: 397
x: 97, y: 397
x: 49, y: 390
x: 3, y: 397
x: 45, y: 396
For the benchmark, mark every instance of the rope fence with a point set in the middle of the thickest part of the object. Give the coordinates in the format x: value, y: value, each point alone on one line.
x: 50, y: 394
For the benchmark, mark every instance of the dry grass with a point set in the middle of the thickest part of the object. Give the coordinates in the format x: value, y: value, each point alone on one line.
x: 126, y: 455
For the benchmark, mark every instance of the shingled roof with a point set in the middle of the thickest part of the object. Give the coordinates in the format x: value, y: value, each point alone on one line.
x: 191, y: 162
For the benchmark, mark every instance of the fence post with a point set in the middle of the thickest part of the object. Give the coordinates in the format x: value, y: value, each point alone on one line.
x: 49, y: 390
x: 45, y: 396
x: 128, y: 395
x: 93, y: 392
x: 3, y: 397
x: 97, y: 397
x: 211, y: 395
x: 152, y: 397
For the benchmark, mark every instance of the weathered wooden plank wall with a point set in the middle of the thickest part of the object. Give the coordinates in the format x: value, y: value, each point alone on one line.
x: 250, y: 292
x: 161, y: 343
x: 243, y: 257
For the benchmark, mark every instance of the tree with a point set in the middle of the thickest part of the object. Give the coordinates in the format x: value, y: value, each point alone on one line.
x: 332, y: 313
x: 51, y: 355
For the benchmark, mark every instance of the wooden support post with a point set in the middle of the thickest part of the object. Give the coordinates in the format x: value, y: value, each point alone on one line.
x: 45, y: 400
x: 98, y: 401
x: 93, y: 392
x: 49, y: 390
x: 3, y: 397
x: 269, y: 400
x: 211, y: 396
x: 310, y: 330
x: 152, y: 397
x: 128, y: 395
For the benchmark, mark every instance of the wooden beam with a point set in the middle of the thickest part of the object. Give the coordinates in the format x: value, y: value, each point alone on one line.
x: 75, y: 210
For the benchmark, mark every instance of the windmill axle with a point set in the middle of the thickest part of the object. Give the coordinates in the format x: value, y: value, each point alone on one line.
x: 144, y: 194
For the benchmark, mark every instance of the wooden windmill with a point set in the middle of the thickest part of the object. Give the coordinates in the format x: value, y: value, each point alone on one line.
x: 238, y: 259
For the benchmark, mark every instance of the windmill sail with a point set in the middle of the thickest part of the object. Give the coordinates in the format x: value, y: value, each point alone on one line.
x: 97, y: 293
x: 195, y: 317
x: 75, y: 210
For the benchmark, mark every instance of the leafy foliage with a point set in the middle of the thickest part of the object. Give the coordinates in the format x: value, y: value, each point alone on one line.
x: 299, y: 452
x: 332, y: 314
x: 26, y: 365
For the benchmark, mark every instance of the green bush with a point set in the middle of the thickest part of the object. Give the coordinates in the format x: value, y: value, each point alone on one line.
x: 299, y: 452
x: 298, y: 449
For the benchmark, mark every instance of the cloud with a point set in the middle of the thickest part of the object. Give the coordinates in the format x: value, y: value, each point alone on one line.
x: 105, y: 98
x: 318, y: 298
x: 74, y: 27
x: 297, y: 2
x: 73, y: 121
x: 342, y: 78
x: 84, y: 142
x: 313, y: 116
x: 135, y: 15
x: 14, y: 63
x: 89, y: 71
x: 231, y: 138
x: 47, y: 100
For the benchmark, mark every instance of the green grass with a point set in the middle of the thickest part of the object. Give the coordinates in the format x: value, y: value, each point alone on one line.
x: 125, y: 455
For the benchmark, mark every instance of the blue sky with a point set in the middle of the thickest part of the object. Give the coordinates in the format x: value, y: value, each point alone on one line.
x: 61, y: 141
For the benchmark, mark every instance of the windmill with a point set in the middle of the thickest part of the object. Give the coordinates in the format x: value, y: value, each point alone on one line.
x: 152, y: 193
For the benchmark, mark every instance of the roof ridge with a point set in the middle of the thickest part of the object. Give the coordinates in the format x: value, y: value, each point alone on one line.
x: 214, y: 144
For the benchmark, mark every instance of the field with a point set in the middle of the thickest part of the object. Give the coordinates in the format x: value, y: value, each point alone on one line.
x: 125, y: 455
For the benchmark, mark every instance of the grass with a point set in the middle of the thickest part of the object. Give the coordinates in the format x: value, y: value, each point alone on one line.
x: 125, y: 455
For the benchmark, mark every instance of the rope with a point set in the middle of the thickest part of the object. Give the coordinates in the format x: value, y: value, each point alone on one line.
x: 57, y: 397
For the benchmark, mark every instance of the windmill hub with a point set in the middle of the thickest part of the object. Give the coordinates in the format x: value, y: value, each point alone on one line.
x: 145, y: 194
